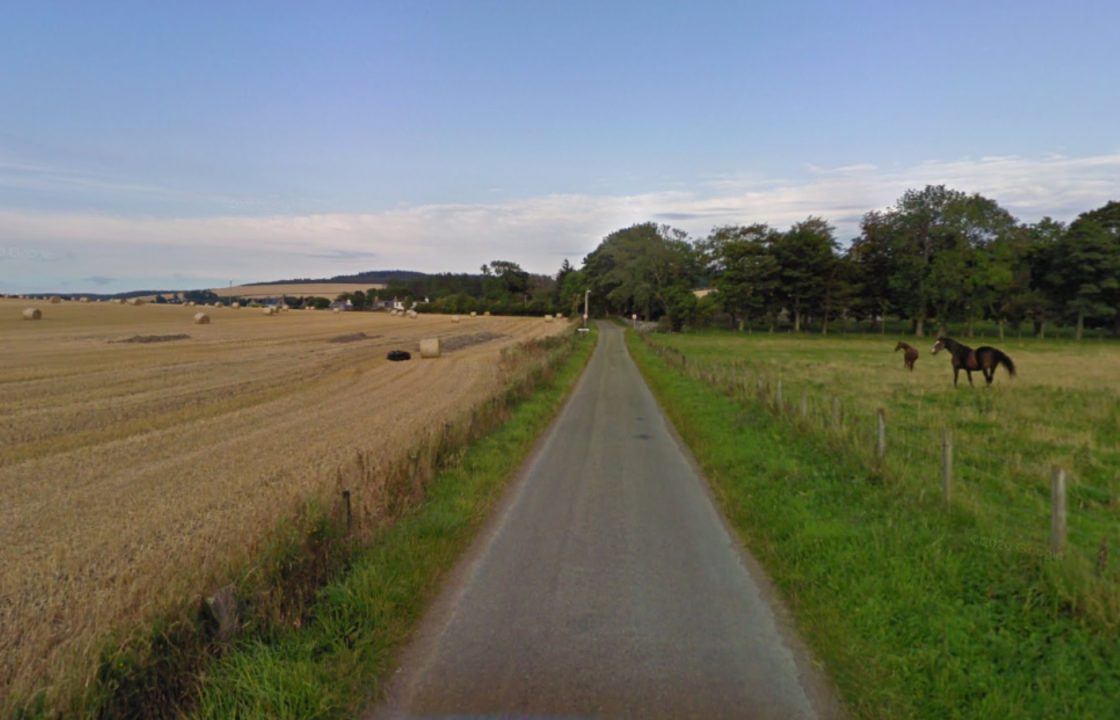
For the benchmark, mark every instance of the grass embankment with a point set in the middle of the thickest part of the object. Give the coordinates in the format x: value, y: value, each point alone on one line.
x: 332, y: 664
x: 912, y: 607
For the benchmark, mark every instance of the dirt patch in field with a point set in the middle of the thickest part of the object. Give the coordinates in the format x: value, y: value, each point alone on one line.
x: 145, y: 339
x: 352, y: 337
x: 458, y: 342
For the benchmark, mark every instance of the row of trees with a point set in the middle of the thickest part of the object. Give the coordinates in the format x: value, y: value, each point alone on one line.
x: 501, y: 287
x: 936, y: 256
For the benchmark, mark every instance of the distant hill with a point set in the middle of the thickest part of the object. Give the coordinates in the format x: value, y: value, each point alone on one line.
x: 374, y: 277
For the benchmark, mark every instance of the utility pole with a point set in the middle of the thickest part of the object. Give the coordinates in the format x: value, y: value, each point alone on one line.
x: 586, y: 302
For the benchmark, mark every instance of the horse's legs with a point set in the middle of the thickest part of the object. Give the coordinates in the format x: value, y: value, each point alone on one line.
x: 956, y: 375
x: 969, y: 372
x: 989, y: 373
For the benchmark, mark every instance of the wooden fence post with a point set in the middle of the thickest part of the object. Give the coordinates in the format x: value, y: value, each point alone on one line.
x: 804, y: 405
x: 881, y: 437
x: 947, y: 465
x: 778, y: 395
x: 1058, y: 511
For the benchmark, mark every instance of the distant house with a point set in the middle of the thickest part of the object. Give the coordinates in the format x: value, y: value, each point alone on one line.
x: 342, y: 305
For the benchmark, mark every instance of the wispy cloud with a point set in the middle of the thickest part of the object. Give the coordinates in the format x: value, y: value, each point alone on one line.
x: 538, y: 231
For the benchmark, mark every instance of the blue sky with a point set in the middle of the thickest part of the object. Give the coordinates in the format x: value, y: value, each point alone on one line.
x: 147, y: 144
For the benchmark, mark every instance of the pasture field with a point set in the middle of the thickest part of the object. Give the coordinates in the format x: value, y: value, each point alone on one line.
x: 327, y: 290
x: 1062, y: 409
x: 920, y: 608
x: 139, y: 467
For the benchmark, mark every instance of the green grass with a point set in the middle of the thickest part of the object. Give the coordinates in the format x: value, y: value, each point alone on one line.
x: 332, y: 665
x: 917, y: 610
x: 1063, y: 410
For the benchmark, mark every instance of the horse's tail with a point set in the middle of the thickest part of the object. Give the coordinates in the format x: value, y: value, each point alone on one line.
x: 1003, y: 359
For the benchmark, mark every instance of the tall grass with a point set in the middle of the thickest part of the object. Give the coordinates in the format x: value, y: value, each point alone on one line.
x: 920, y: 609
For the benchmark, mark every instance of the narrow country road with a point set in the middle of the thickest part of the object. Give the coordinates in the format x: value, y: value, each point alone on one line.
x: 607, y: 586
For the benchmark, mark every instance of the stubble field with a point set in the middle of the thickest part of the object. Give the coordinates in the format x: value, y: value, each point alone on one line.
x: 135, y: 469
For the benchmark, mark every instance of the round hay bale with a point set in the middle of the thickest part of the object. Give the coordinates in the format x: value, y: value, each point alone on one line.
x: 236, y: 306
x: 338, y: 310
x: 32, y: 314
x: 474, y: 314
x: 412, y: 314
x: 548, y: 318
x: 83, y: 299
x: 429, y: 348
x: 55, y: 299
x: 269, y: 311
x: 135, y: 301
x: 455, y: 318
x: 487, y: 313
x: 201, y: 318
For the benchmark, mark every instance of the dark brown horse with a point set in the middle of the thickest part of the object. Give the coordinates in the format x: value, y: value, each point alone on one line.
x: 985, y: 359
x: 909, y: 357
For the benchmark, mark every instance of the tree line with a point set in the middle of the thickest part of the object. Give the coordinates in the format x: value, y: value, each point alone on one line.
x: 937, y: 256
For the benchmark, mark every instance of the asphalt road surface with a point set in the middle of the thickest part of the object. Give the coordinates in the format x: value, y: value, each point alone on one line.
x: 607, y: 585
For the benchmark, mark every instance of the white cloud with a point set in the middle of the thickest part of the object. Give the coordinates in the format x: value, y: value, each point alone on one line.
x: 537, y: 232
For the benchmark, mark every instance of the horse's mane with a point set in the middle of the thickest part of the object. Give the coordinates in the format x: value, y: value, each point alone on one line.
x: 952, y: 344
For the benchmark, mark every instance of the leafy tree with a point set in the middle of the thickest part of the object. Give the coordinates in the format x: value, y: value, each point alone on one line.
x: 805, y: 255
x: 511, y: 279
x: 633, y: 269
x: 1085, y: 271
x: 680, y: 306
x: 744, y: 271
x: 873, y: 265
x: 570, y: 287
x: 934, y: 235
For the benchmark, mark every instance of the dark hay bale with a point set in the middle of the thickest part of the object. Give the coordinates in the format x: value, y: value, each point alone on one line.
x: 398, y: 355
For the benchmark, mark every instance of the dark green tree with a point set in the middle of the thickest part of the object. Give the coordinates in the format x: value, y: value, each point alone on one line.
x: 1085, y: 271
x: 805, y: 254
x: 744, y: 271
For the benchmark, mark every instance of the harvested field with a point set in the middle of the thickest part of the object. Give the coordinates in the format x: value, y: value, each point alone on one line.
x: 136, y: 471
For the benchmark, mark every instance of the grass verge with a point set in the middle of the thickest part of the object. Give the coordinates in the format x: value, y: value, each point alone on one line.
x: 912, y: 616
x: 331, y: 665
